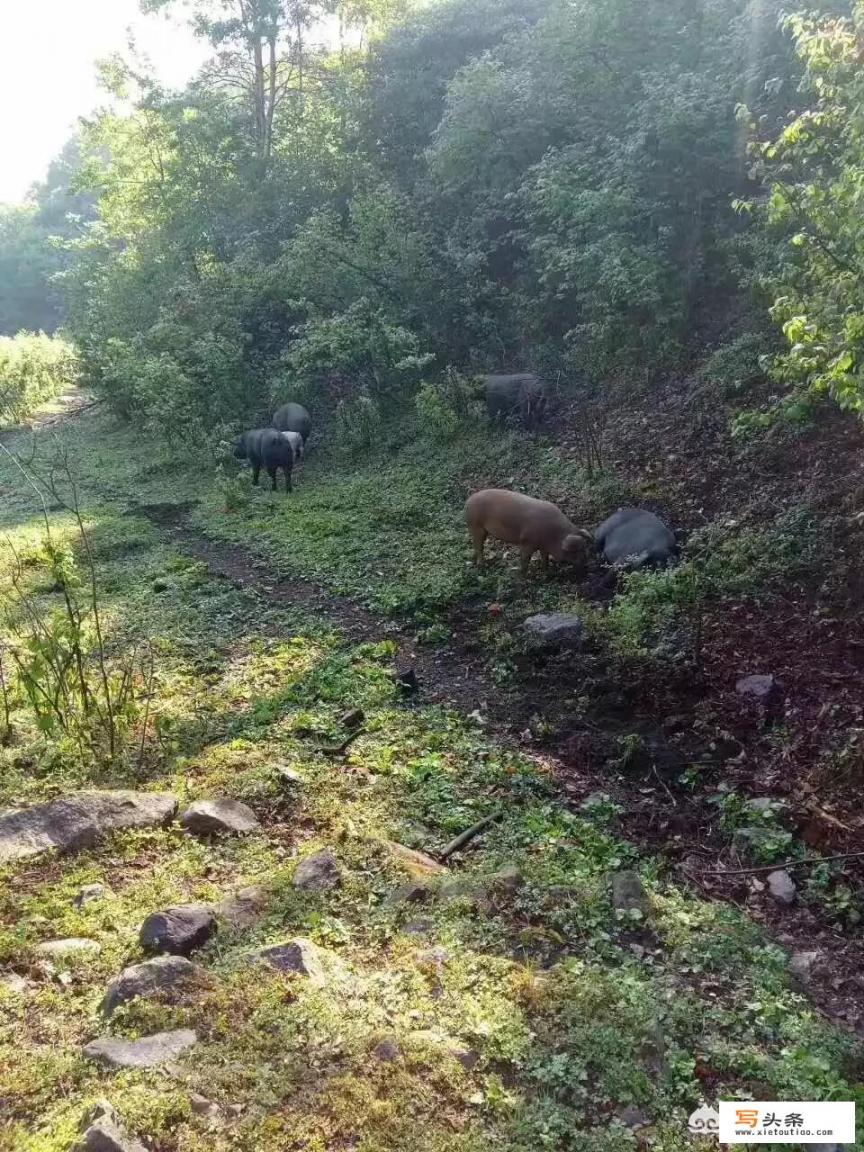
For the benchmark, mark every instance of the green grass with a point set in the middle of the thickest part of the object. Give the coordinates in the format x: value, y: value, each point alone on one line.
x: 387, y: 530
x: 566, y: 1025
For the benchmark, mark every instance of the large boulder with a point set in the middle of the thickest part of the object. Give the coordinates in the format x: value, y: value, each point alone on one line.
x: 148, y: 1052
x: 157, y: 975
x: 222, y: 815
x: 179, y: 930
x: 632, y: 538
x: 77, y: 821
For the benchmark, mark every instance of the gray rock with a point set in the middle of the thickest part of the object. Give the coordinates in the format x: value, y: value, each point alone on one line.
x: 148, y: 1052
x: 554, y: 630
x: 155, y: 975
x: 318, y: 873
x: 782, y: 886
x: 507, y: 879
x: 219, y: 816
x: 101, y: 1110
x: 78, y: 820
x: 414, y: 892
x: 628, y: 893
x: 201, y: 1106
x: 89, y: 894
x: 73, y: 946
x: 244, y: 908
x: 179, y: 930
x: 299, y: 955
x: 801, y: 964
x: 106, y: 1136
x: 388, y: 1051
x: 763, y: 689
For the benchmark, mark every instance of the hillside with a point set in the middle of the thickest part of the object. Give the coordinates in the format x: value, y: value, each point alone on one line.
x: 454, y: 1004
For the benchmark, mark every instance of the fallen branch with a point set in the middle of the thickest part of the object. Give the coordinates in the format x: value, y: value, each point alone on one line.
x: 786, y: 864
x: 338, y: 749
x: 468, y: 835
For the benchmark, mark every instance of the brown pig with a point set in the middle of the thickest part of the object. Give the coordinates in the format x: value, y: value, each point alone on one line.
x: 534, y: 525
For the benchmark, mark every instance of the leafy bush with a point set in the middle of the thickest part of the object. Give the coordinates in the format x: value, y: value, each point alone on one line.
x: 361, y: 346
x: 358, y: 425
x: 814, y: 170
x: 734, y: 365
x: 33, y: 368
x: 446, y: 406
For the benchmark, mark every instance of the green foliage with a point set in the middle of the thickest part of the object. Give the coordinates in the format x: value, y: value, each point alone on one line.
x: 738, y: 364
x: 814, y: 169
x: 357, y: 425
x: 446, y: 406
x: 361, y: 349
x: 33, y: 368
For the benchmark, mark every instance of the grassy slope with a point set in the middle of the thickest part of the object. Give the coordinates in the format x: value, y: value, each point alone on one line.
x: 570, y: 1023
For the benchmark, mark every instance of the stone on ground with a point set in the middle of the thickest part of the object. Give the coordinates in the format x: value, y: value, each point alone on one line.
x: 179, y: 930
x: 222, y: 815
x: 299, y: 955
x: 73, y: 946
x: 551, y: 631
x: 148, y: 1052
x: 414, y: 892
x: 104, y: 1133
x: 78, y: 820
x: 155, y: 975
x: 628, y: 893
x: 318, y: 873
x: 782, y: 886
x: 89, y: 894
x: 764, y: 689
x: 801, y: 964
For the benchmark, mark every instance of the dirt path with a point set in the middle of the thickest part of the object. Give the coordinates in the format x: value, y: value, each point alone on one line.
x: 679, y: 827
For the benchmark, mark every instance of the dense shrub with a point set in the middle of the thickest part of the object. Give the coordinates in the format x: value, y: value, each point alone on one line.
x: 447, y: 406
x: 358, y: 425
x: 738, y: 363
x: 33, y: 368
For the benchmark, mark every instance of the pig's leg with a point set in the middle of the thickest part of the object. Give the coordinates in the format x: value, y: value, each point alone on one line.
x: 287, y: 479
x: 478, y: 535
x: 526, y: 552
x: 271, y: 472
x: 256, y: 471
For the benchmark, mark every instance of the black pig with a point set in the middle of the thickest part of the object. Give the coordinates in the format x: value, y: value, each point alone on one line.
x: 267, y: 447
